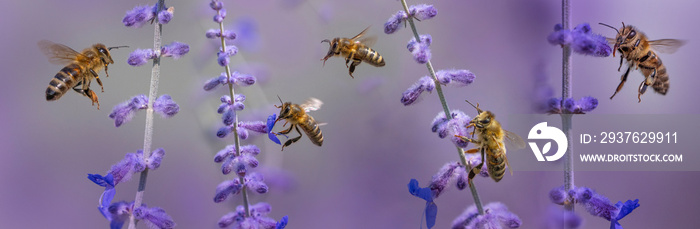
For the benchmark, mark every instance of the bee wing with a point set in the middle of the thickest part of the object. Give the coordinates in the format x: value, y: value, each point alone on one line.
x: 311, y: 104
x: 666, y: 45
x: 368, y: 41
x: 360, y: 35
x: 58, y: 53
x: 514, y: 141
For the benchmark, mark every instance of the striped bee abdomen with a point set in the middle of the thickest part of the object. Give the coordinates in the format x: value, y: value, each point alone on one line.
x: 62, y: 81
x: 312, y: 130
x: 371, y: 57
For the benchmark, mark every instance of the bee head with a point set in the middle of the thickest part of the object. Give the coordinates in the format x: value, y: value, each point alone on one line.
x: 103, y: 52
x: 623, y: 36
x: 483, y: 119
x: 332, y: 49
x: 285, y: 109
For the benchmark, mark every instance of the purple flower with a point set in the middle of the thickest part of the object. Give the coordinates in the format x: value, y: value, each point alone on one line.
x: 214, y: 82
x: 270, y: 123
x: 558, y: 196
x: 242, y: 79
x: 599, y: 205
x: 412, y: 94
x: 571, y: 106
x: 153, y: 161
x: 165, y: 16
x: 442, y: 179
x: 258, y: 218
x: 254, y: 182
x: 226, y: 188
x: 282, y: 223
x: 422, y: 11
x: 394, y: 22
x: 240, y: 162
x: 138, y: 16
x: 421, y: 52
x: 427, y: 195
x: 155, y: 217
x: 256, y: 126
x: 122, y: 170
x: 106, y: 198
x: 496, y: 215
x: 581, y: 39
x: 223, y: 59
x: 554, y: 106
x: 165, y: 106
x: 216, y: 5
x: 140, y: 56
x: 118, y: 213
x: 175, y: 50
x: 625, y: 209
x: 455, y: 126
x: 125, y: 111
x: 459, y: 77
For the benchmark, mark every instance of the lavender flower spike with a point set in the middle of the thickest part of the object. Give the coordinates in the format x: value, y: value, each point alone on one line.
x: 138, y: 16
x: 496, y: 215
x: 175, y: 50
x: 140, y: 56
x: 581, y: 39
x: 421, y: 52
x: 165, y: 106
x: 412, y: 94
x: 154, y: 217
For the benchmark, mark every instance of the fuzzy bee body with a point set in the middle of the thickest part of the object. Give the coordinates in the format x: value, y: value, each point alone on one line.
x: 354, y: 49
x: 640, y: 53
x: 298, y: 117
x: 79, y: 71
x: 491, y: 143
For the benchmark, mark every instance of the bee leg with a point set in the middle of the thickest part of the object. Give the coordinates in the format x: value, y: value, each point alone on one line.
x: 470, y: 151
x: 106, y: 73
x: 622, y: 81
x: 287, y: 130
x: 618, y: 68
x: 293, y: 140
x: 98, y: 79
x: 352, y: 67
x: 88, y: 93
x: 476, y: 169
x: 647, y: 82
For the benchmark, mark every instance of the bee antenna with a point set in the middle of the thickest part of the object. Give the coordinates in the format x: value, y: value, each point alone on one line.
x: 477, y: 106
x: 326, y: 40
x: 618, y: 31
x: 116, y: 47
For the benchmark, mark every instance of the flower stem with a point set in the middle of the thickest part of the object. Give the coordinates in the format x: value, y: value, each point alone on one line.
x: 566, y: 93
x: 148, y: 134
x: 443, y: 101
x: 236, y: 140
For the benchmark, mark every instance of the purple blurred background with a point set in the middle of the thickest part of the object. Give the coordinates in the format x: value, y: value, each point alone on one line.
x: 373, y: 144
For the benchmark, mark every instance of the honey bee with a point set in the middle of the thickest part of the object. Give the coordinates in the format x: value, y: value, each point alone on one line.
x: 491, y: 142
x: 298, y: 116
x: 80, y: 69
x: 355, y: 49
x: 639, y: 52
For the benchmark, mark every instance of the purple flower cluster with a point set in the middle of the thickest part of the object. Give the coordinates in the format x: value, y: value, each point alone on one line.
x: 419, y: 12
x: 496, y: 215
x: 596, y: 204
x: 420, y: 50
x: 237, y: 78
x: 581, y: 39
x: 138, y: 16
x: 238, y: 158
x: 571, y: 106
x: 117, y: 213
x: 426, y: 83
x: 141, y: 56
x: 455, y: 126
x: 124, y: 112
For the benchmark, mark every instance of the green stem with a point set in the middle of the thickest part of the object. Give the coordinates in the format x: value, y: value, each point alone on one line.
x: 148, y: 133
x: 443, y: 101
x: 566, y: 118
x: 236, y: 140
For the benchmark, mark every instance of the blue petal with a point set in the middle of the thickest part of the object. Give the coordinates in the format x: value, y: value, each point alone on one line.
x: 430, y: 214
x: 423, y: 193
x: 116, y: 224
x: 626, y: 208
x: 271, y: 122
x: 106, y: 181
x: 274, y: 138
x: 282, y: 223
x: 105, y: 212
x: 107, y: 197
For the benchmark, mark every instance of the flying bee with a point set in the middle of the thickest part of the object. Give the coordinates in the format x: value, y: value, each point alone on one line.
x: 80, y: 68
x: 356, y: 49
x: 491, y: 141
x: 297, y: 115
x: 639, y: 52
